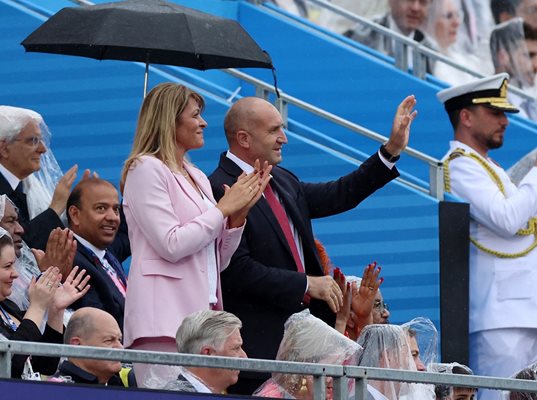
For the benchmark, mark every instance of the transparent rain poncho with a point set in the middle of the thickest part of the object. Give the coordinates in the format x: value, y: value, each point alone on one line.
x: 26, y: 267
x: 510, y: 53
x: 39, y: 186
x: 308, y: 339
x: 444, y: 24
x: 528, y: 373
x: 175, y: 378
x: 518, y: 171
x: 444, y: 392
x: 386, y: 346
x: 447, y: 26
x: 427, y: 338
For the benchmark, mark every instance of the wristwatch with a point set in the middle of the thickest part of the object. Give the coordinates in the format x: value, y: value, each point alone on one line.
x: 387, y: 155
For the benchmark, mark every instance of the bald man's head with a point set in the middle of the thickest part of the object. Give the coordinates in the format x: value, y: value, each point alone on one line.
x: 254, y: 130
x: 242, y: 116
x: 90, y: 326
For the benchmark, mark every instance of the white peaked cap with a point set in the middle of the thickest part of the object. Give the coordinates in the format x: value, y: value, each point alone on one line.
x: 489, y: 92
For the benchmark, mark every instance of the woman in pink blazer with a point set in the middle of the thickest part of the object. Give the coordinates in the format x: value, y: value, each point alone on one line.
x: 180, y: 237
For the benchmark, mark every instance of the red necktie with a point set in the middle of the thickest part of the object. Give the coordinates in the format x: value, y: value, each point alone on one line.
x: 281, y: 216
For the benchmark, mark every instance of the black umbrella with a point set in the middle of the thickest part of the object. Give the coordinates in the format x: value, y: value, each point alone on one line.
x: 150, y: 31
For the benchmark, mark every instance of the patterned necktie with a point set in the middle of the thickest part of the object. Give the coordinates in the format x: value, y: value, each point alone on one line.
x: 115, y: 274
x: 114, y: 263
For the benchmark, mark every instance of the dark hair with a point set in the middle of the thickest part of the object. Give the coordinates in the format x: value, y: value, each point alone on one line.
x: 5, y: 240
x: 528, y: 373
x: 455, y: 116
x: 503, y: 6
x: 444, y: 391
x: 529, y: 32
x: 75, y: 198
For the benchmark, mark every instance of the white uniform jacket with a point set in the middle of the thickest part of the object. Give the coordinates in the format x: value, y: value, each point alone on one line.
x: 503, y: 291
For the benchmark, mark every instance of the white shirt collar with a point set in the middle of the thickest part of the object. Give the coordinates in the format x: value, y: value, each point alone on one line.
x: 242, y: 164
x: 10, y: 178
x: 98, y: 252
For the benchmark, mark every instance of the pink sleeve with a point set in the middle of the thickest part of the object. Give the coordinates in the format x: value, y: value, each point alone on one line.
x: 148, y: 199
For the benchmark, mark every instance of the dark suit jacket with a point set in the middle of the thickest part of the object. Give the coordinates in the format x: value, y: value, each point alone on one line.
x: 261, y: 285
x: 76, y: 374
x: 37, y: 230
x: 28, y: 331
x: 103, y: 293
x: 384, y: 44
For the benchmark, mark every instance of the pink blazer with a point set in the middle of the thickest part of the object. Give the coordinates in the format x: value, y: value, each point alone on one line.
x: 169, y: 229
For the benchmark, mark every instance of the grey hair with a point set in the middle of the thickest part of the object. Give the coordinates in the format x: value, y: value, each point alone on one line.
x: 205, y: 328
x: 14, y: 119
x: 80, y: 325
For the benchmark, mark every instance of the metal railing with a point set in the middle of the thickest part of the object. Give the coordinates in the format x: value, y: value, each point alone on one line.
x: 263, y: 89
x: 420, y: 53
x: 340, y: 374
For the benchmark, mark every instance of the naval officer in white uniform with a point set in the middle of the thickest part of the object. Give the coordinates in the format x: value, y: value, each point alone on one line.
x: 503, y: 258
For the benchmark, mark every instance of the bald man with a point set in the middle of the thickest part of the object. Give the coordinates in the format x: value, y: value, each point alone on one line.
x: 90, y: 326
x: 276, y: 271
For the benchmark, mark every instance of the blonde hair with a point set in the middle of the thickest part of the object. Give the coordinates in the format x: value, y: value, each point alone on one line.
x: 155, y: 131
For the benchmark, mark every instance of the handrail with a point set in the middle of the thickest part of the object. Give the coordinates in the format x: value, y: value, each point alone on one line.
x: 436, y: 181
x: 436, y: 175
x: 419, y: 51
x: 340, y: 374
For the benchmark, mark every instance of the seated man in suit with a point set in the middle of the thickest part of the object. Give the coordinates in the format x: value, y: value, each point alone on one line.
x: 93, y: 216
x: 92, y: 327
x: 208, y: 333
x: 405, y: 17
x: 276, y: 270
x: 23, y: 151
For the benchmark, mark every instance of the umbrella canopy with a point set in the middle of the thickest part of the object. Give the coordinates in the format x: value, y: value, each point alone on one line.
x: 150, y: 31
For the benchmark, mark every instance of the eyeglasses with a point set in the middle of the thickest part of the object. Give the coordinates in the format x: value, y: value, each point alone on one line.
x: 380, y: 306
x: 33, y: 141
x: 451, y: 15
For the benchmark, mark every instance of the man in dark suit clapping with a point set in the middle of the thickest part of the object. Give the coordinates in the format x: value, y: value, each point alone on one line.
x: 94, y: 217
x: 276, y: 271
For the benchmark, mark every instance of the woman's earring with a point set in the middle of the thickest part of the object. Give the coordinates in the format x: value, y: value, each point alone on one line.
x: 303, y: 386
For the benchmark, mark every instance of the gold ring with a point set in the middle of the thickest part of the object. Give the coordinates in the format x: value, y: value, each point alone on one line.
x: 251, y: 188
x: 371, y: 288
x: 49, y: 284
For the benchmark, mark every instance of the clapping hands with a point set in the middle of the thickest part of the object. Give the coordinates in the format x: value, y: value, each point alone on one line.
x: 239, y: 198
x: 75, y: 286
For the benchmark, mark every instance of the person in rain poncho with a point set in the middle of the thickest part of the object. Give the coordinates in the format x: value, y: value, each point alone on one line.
x: 386, y: 346
x: 30, y: 175
x: 61, y: 248
x: 528, y: 373
x: 444, y: 392
x: 308, y: 339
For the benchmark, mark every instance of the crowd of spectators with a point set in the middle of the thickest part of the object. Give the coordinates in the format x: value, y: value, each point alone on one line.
x: 240, y: 239
x: 324, y: 316
x: 485, y: 36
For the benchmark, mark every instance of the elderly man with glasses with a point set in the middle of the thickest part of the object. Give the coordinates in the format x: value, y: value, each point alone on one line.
x: 23, y: 152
